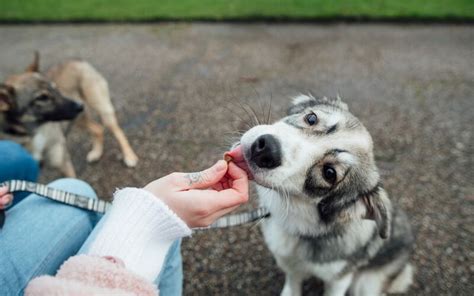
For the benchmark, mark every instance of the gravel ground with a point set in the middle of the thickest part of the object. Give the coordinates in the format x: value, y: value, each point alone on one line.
x: 178, y: 88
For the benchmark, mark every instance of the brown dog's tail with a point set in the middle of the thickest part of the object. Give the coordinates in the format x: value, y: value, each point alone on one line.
x: 34, y: 66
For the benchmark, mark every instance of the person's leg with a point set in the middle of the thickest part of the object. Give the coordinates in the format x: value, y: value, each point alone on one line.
x: 170, y: 280
x: 17, y: 163
x: 40, y: 234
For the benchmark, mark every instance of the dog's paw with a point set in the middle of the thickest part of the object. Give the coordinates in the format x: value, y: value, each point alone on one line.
x: 130, y: 160
x: 94, y: 156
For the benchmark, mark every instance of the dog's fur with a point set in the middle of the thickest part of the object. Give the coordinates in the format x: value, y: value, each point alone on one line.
x: 79, y: 81
x: 345, y: 231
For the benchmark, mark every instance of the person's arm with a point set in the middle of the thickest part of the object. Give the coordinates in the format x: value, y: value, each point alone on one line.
x: 129, y: 249
x: 143, y: 223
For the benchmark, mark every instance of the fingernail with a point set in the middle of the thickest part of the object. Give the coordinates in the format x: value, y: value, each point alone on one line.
x: 221, y: 165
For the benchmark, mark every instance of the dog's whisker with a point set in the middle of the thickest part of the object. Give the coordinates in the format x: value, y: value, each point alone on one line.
x: 255, y: 115
x: 260, y: 105
x: 269, y: 109
x: 233, y: 100
x: 251, y: 113
x: 251, y: 119
x: 242, y: 120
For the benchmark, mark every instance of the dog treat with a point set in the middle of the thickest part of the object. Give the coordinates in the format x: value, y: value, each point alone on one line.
x: 228, y: 158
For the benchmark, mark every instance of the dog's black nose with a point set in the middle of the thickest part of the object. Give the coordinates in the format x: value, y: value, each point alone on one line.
x: 265, y: 152
x: 78, y: 107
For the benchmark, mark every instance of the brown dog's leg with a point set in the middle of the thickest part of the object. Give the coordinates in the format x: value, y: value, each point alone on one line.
x: 59, y: 158
x: 95, y: 93
x: 68, y: 169
x: 97, y: 132
x: 129, y: 156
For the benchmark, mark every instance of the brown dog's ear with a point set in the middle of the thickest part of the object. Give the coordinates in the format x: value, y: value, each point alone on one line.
x: 378, y: 208
x: 6, y: 97
x: 34, y: 66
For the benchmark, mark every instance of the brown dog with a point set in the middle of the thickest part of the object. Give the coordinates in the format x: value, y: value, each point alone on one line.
x: 73, y: 79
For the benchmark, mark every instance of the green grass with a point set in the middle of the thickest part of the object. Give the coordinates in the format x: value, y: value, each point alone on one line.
x: 145, y: 10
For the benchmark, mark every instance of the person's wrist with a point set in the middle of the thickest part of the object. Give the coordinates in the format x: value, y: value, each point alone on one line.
x: 151, y: 188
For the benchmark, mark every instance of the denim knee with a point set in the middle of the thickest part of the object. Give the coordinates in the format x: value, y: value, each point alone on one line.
x: 17, y: 163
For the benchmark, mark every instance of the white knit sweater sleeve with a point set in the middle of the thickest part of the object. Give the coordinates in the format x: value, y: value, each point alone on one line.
x: 139, y: 229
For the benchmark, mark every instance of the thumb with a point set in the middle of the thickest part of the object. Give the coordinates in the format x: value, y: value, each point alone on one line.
x: 205, y: 178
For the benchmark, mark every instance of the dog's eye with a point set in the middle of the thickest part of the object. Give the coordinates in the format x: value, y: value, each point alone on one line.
x: 329, y: 174
x: 311, y: 119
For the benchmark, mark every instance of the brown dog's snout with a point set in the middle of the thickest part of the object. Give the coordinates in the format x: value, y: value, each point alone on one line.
x: 72, y: 109
x: 68, y: 110
x: 78, y: 107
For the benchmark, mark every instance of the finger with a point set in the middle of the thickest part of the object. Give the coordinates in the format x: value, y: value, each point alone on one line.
x: 6, y: 200
x: 218, y: 186
x: 224, y: 183
x: 240, y: 180
x: 203, y: 179
x: 229, y: 198
x: 216, y: 200
x: 3, y: 190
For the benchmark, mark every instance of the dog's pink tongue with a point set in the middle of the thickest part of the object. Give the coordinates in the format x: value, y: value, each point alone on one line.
x: 237, y: 156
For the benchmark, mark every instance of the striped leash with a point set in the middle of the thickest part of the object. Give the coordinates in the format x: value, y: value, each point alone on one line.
x: 100, y: 206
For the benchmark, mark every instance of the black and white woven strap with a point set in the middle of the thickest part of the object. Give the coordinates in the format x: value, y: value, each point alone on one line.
x: 101, y: 206
x: 238, y: 219
x: 61, y: 196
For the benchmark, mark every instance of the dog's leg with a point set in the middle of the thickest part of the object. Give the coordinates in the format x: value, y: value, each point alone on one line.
x: 97, y: 133
x: 339, y: 286
x: 129, y: 156
x: 95, y: 92
x: 293, y: 283
x: 403, y: 280
x: 96, y: 130
x: 68, y: 169
x: 368, y: 283
x: 59, y: 158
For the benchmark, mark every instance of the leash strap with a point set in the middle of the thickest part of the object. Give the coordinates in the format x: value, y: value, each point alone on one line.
x: 61, y: 196
x: 238, y: 219
x: 101, y: 206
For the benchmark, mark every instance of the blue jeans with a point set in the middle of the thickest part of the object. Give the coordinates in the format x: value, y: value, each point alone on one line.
x: 17, y: 163
x: 40, y: 234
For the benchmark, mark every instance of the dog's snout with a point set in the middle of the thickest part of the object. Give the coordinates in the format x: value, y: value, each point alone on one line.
x: 265, y: 152
x: 78, y: 107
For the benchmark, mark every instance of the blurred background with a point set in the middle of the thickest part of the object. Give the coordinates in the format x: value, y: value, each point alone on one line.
x: 185, y: 74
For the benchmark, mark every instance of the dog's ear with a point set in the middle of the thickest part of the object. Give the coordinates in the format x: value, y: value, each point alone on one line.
x: 300, y: 103
x: 34, y: 66
x: 333, y: 101
x: 303, y: 99
x: 379, y: 208
x: 7, y: 94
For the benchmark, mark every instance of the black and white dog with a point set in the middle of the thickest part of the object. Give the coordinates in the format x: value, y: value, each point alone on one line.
x: 329, y: 214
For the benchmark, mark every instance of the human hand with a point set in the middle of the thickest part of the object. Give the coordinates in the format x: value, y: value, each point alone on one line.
x: 202, y: 197
x: 6, y: 198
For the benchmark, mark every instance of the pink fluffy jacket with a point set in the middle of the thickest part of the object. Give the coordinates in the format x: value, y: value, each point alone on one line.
x: 91, y: 275
x: 138, y: 229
